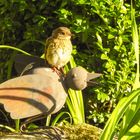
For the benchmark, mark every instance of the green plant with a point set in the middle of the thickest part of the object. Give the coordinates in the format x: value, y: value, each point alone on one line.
x: 130, y: 124
x: 125, y: 116
x: 75, y: 101
x: 102, y: 36
x: 112, y: 54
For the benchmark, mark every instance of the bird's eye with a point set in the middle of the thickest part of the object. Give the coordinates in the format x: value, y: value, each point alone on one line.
x: 74, y: 76
x: 62, y: 33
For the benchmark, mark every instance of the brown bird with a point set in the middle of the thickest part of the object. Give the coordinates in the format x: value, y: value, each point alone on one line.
x: 59, y: 47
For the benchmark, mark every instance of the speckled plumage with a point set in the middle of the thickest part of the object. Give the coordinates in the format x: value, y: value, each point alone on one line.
x: 59, y: 47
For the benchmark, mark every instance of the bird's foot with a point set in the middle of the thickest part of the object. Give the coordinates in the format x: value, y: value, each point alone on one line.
x: 59, y: 73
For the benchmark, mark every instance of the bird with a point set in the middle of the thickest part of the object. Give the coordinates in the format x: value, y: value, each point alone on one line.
x: 41, y: 92
x: 58, y: 47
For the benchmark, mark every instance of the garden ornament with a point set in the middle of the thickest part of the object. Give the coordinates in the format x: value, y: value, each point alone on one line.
x: 41, y: 92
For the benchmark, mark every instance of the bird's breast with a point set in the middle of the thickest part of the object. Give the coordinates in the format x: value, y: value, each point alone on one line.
x: 59, y: 53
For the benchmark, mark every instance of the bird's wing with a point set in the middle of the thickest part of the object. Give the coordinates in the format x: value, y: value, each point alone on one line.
x: 47, y: 44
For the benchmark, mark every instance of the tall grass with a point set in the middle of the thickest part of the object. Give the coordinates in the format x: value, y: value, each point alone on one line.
x: 75, y: 101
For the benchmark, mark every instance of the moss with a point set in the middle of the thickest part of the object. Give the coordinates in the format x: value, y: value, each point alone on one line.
x: 81, y: 132
x: 65, y: 132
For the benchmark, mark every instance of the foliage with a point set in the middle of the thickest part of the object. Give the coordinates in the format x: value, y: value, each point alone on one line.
x: 130, y: 129
x: 102, y: 43
x: 128, y: 108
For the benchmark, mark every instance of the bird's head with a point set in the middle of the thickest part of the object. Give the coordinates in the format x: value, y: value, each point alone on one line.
x: 62, y: 33
x: 79, y: 78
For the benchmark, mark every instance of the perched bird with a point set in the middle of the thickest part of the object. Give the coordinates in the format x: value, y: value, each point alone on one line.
x: 59, y: 47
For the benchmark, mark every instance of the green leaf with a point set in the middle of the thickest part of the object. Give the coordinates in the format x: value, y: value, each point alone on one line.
x: 104, y: 57
x: 117, y: 114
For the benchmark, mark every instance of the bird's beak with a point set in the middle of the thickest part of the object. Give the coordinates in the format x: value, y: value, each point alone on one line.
x: 91, y: 76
